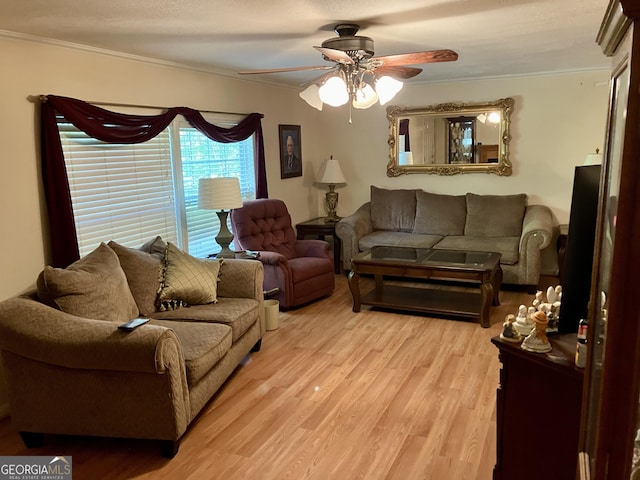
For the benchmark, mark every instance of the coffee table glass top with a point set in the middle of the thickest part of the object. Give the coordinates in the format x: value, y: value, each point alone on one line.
x: 429, y: 256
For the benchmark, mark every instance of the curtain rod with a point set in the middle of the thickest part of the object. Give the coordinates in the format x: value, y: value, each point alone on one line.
x: 43, y: 98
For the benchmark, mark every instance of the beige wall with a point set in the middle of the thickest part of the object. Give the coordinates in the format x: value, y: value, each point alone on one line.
x: 557, y: 120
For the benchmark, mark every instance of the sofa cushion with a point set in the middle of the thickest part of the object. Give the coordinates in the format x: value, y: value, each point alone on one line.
x: 440, y: 214
x: 187, y: 280
x: 398, y: 239
x: 93, y: 287
x: 495, y: 215
x: 238, y: 313
x: 393, y: 209
x: 203, y: 345
x: 507, y: 247
x: 143, y: 275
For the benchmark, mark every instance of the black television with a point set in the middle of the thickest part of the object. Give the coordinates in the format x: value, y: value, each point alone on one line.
x: 578, y: 260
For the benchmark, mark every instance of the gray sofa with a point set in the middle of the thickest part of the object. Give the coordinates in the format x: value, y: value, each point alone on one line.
x: 489, y: 223
x: 70, y: 370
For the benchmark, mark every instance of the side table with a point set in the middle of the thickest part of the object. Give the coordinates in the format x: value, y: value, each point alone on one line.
x: 317, y: 227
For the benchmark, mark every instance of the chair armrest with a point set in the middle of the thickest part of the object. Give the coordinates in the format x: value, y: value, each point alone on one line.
x: 36, y: 331
x: 351, y: 229
x: 272, y: 258
x: 241, y: 279
x: 312, y: 248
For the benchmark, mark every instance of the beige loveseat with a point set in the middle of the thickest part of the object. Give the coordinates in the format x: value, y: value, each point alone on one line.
x: 488, y: 223
x: 70, y: 370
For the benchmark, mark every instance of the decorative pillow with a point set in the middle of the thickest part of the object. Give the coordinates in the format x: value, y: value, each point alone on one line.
x: 495, y: 215
x: 155, y: 246
x: 93, y: 287
x: 186, y: 280
x: 393, y: 209
x: 440, y: 214
x: 143, y: 275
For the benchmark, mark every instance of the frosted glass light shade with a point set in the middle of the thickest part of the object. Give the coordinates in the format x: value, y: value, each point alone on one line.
x: 387, y: 87
x: 365, y: 97
x: 311, y: 95
x: 221, y: 193
x: 334, y: 92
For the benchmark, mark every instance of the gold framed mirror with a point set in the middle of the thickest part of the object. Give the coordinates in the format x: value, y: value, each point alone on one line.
x: 450, y: 138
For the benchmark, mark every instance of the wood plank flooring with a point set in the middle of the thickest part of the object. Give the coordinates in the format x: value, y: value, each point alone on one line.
x: 332, y: 395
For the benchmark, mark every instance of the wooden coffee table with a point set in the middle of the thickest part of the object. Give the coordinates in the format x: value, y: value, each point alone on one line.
x: 451, y: 266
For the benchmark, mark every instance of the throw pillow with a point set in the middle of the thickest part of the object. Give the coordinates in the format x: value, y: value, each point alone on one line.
x: 155, y: 246
x: 187, y: 280
x: 93, y: 287
x: 143, y: 275
x: 393, y: 209
x: 440, y: 214
x: 495, y: 215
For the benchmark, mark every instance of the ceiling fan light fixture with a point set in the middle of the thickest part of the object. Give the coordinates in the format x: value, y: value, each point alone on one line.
x: 387, y: 87
x: 311, y: 95
x: 334, y: 92
x: 365, y: 96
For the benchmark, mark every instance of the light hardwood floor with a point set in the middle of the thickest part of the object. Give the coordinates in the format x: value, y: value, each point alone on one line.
x: 332, y: 395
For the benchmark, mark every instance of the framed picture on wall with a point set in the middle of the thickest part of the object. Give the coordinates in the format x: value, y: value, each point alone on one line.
x: 290, y: 151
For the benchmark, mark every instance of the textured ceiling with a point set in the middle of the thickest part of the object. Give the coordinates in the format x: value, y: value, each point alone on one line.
x: 492, y: 37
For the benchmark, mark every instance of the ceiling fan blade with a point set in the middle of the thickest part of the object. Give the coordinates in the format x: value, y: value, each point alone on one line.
x: 417, y: 58
x: 335, y: 55
x: 397, y: 71
x: 286, y: 69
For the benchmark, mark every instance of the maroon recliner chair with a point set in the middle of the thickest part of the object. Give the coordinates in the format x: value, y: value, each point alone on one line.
x: 302, y: 270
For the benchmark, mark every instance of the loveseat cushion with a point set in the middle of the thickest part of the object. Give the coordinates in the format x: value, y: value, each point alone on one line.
x: 238, y: 313
x: 203, y: 345
x: 507, y: 247
x: 393, y: 209
x: 397, y: 239
x: 440, y: 214
x: 495, y: 215
x: 94, y: 286
x: 187, y: 280
x: 143, y: 275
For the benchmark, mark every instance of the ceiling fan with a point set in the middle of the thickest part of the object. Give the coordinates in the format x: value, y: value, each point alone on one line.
x: 353, y: 58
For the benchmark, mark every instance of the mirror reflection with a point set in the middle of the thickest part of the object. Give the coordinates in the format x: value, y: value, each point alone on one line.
x: 450, y: 138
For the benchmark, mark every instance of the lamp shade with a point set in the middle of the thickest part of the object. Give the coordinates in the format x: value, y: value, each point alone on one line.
x: 334, y: 92
x: 387, y: 87
x: 311, y: 95
x: 593, y: 158
x: 331, y: 172
x: 222, y: 193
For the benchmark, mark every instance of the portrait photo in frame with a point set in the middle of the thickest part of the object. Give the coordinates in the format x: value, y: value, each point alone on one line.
x: 290, y: 151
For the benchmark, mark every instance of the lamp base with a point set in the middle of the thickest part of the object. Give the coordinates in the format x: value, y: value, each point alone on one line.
x: 331, y: 198
x: 224, y: 236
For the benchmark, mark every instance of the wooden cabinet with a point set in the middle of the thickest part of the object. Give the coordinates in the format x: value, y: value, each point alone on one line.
x: 538, y: 411
x: 612, y: 376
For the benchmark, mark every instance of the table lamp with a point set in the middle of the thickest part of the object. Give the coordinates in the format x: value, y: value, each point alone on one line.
x: 331, y: 174
x: 220, y: 194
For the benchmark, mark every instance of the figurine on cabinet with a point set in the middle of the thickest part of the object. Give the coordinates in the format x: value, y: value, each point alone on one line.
x: 537, y: 340
x: 523, y: 323
x: 509, y: 332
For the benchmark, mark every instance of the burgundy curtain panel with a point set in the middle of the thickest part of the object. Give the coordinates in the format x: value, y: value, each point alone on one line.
x: 121, y: 128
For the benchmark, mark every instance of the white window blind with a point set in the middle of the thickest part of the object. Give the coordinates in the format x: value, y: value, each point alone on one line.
x: 131, y: 193
x: 119, y: 192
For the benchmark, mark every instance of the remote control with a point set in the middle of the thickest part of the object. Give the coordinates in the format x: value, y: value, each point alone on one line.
x: 133, y: 324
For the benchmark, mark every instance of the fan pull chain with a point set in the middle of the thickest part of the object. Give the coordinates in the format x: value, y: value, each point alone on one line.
x: 350, y: 122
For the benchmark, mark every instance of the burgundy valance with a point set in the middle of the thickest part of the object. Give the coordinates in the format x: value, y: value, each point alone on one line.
x: 113, y: 127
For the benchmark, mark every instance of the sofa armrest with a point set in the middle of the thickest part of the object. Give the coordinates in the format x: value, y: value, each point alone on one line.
x: 38, y: 332
x: 241, y: 279
x: 537, y: 233
x: 312, y: 248
x: 537, y: 226
x: 351, y: 229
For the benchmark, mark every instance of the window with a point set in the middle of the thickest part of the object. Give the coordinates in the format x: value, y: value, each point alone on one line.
x: 130, y: 193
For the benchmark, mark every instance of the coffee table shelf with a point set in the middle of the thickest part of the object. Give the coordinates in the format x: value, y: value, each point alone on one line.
x: 449, y: 267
